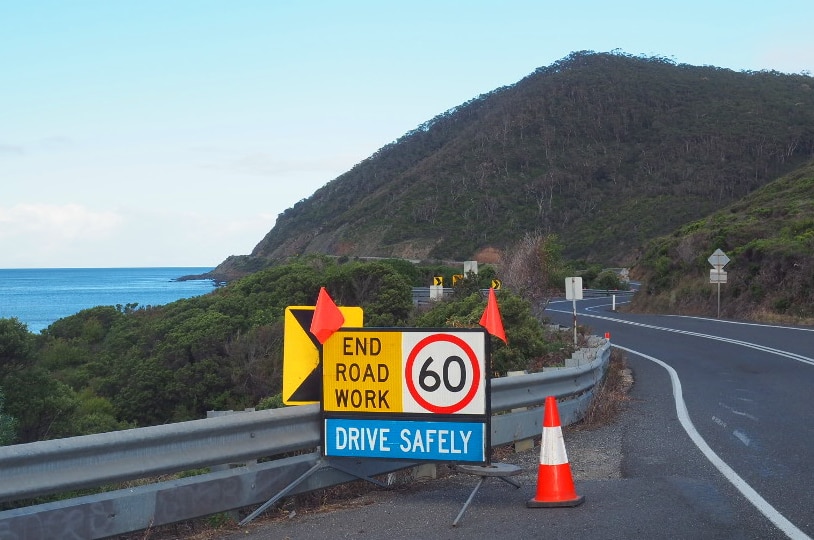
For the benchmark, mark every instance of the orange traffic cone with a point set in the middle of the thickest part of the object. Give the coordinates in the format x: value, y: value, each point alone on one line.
x: 555, y: 486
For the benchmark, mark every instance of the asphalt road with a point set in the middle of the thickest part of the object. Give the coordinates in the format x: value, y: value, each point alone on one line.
x: 715, y: 443
x: 746, y: 388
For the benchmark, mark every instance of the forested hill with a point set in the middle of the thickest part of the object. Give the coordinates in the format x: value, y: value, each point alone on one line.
x: 605, y: 149
x: 769, y: 238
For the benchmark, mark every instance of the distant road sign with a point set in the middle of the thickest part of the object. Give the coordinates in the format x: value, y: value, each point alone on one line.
x: 573, y: 288
x: 717, y: 276
x: 456, y: 278
x: 302, y: 380
x: 718, y: 259
x: 497, y: 284
x: 438, y: 280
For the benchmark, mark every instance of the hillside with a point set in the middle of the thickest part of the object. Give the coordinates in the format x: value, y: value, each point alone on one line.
x: 606, y: 150
x: 769, y: 237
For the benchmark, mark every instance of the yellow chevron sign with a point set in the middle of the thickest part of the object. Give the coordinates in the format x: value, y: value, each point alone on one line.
x: 302, y: 378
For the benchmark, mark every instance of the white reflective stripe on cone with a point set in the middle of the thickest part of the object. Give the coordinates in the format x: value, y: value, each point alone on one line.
x: 552, y: 447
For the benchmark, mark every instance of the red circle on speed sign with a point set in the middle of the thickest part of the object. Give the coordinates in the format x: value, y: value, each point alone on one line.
x: 470, y: 356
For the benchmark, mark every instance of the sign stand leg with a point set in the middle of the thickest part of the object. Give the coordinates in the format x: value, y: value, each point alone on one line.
x: 320, y: 464
x: 496, y: 470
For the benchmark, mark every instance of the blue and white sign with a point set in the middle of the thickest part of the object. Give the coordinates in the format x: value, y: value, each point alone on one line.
x: 458, y: 441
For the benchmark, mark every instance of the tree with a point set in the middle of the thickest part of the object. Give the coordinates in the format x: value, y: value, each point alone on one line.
x: 608, y: 280
x: 532, y: 268
x: 7, y: 424
x: 43, y: 407
x: 15, y: 346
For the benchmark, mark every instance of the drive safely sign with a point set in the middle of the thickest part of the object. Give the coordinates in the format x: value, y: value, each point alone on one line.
x: 405, y: 439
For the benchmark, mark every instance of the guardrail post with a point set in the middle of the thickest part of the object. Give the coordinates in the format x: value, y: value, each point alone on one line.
x: 233, y: 514
x: 523, y: 444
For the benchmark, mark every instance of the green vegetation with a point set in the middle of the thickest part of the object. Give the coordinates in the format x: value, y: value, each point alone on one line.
x: 605, y: 150
x: 524, y: 333
x: 608, y: 280
x: 8, y: 424
x: 115, y: 367
x: 769, y: 237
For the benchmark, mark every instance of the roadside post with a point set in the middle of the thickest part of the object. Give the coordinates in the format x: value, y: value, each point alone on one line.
x: 573, y: 292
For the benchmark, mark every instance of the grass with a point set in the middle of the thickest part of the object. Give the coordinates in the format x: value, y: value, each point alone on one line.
x: 611, y: 395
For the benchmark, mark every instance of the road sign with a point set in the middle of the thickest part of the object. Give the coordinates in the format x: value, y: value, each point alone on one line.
x: 718, y: 259
x: 302, y: 380
x: 456, y: 278
x: 406, y: 393
x: 438, y: 281
x: 573, y: 288
x: 413, y: 371
x: 717, y: 276
x: 496, y: 284
x: 443, y: 372
x: 573, y: 292
x: 405, y: 439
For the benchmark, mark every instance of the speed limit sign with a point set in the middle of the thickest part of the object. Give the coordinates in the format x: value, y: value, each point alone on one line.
x: 444, y: 373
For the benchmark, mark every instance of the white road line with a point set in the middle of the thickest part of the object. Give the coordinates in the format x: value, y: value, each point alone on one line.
x: 722, y: 321
x: 740, y: 484
x: 756, y: 346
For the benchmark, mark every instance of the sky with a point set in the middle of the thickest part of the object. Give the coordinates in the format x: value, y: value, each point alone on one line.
x: 137, y: 133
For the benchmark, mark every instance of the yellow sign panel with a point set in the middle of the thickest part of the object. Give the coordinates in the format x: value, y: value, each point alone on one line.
x: 438, y: 280
x: 362, y: 372
x: 496, y: 284
x: 302, y: 381
x: 456, y: 278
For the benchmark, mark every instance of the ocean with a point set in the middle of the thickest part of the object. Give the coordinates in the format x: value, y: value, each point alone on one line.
x: 40, y: 296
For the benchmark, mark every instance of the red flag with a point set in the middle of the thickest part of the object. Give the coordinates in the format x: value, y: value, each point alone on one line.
x: 491, y: 319
x: 327, y: 317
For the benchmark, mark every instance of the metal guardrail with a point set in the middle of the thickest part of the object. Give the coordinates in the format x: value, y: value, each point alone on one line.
x: 595, y: 293
x: 421, y: 295
x: 56, y: 466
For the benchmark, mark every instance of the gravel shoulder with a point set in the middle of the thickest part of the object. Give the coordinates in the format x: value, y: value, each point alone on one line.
x: 594, y: 454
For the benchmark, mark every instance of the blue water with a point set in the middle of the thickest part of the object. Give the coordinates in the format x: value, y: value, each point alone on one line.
x: 40, y: 296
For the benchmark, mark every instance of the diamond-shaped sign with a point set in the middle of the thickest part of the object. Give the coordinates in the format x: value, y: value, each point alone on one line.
x: 718, y: 259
